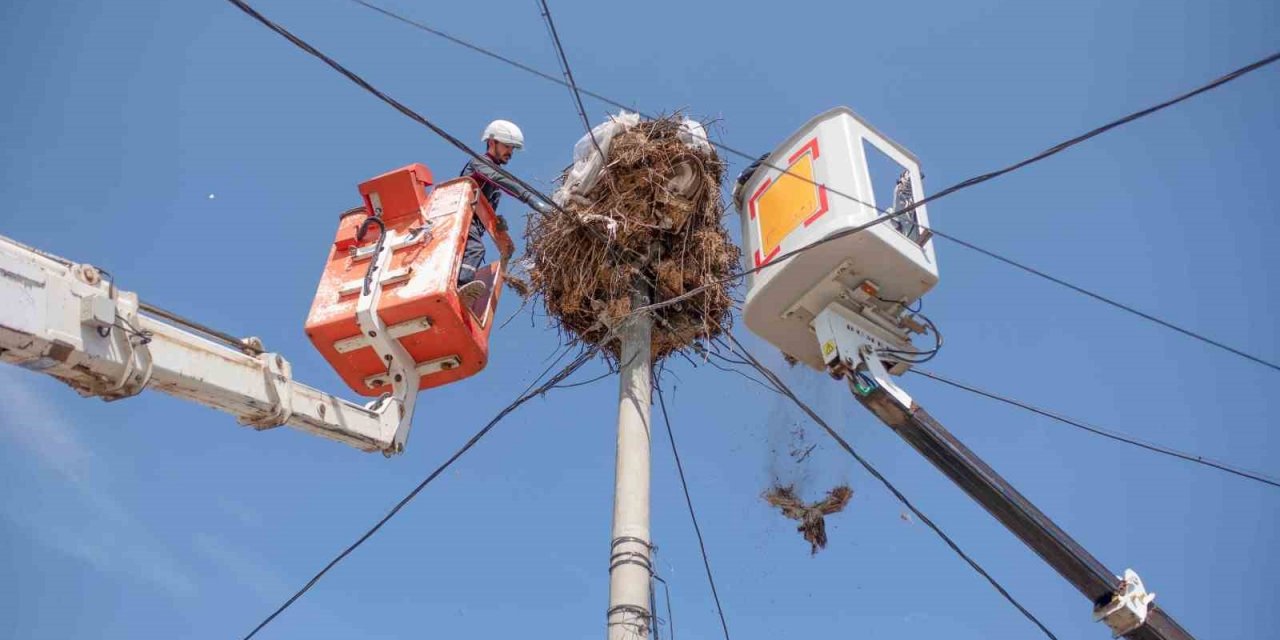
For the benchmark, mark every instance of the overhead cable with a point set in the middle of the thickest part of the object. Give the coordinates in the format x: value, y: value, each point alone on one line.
x: 693, y: 516
x: 413, y: 115
x: 568, y: 76
x: 893, y: 214
x: 785, y: 390
x: 1105, y: 300
x: 551, y: 383
x: 1106, y: 433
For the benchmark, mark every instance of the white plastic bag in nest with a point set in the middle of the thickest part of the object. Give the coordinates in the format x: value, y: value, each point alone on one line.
x: 587, y: 162
x: 694, y: 134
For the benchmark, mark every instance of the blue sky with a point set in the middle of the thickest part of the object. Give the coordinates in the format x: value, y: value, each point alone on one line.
x: 152, y: 518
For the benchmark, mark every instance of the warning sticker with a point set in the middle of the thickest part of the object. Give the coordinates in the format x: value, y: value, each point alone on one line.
x: 784, y: 203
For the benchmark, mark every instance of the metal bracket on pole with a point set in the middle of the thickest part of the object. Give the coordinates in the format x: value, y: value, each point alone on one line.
x: 1127, y: 610
x: 849, y: 350
x: 396, y: 410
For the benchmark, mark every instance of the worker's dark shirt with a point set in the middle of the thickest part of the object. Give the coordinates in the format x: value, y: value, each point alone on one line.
x: 492, y: 185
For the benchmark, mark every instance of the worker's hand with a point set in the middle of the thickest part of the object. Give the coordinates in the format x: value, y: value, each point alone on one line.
x: 502, y: 224
x: 507, y: 250
x: 542, y: 207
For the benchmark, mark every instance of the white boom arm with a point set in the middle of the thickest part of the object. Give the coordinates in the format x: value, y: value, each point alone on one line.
x: 850, y: 350
x: 65, y: 320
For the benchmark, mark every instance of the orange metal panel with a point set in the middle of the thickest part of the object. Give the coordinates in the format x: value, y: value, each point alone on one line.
x: 429, y: 290
x: 401, y: 192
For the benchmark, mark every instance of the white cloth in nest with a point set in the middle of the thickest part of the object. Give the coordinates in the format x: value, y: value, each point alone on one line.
x: 588, y: 164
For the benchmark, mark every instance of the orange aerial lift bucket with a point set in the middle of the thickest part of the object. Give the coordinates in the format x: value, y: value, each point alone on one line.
x: 425, y: 231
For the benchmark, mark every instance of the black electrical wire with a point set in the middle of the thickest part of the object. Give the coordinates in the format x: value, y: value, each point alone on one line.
x: 919, y: 303
x: 785, y: 390
x: 489, y: 53
x: 730, y: 369
x: 889, y: 213
x: 568, y: 76
x: 919, y: 357
x: 782, y: 388
x: 397, y: 105
x: 653, y: 608
x: 1105, y: 300
x: 605, y: 99
x: 979, y: 179
x: 742, y: 154
x: 671, y: 616
x: 693, y: 516
x: 565, y: 372
x: 1106, y: 433
x: 587, y: 382
x: 413, y: 115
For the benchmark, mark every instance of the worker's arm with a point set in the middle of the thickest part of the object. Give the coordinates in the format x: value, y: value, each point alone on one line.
x: 487, y: 173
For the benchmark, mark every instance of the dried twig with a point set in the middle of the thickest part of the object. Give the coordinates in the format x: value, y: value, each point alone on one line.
x: 658, y: 198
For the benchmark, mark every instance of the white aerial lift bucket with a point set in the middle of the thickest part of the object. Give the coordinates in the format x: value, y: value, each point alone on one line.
x: 834, y: 174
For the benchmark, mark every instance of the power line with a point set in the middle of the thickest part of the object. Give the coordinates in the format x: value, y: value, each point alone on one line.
x: 892, y: 214
x: 568, y: 76
x: 579, y: 90
x: 413, y: 115
x: 949, y: 190
x: 974, y: 181
x: 564, y: 373
x: 397, y: 105
x: 693, y: 516
x: 489, y: 53
x: 785, y: 390
x: 1106, y: 433
x: 671, y: 616
x: 709, y: 357
x: 1105, y: 300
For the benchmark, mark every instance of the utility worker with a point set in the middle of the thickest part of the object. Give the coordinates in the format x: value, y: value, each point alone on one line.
x: 501, y: 138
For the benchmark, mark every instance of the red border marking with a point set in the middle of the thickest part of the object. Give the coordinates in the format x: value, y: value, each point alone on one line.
x: 772, y: 254
x: 822, y: 206
x: 756, y: 196
x: 811, y: 145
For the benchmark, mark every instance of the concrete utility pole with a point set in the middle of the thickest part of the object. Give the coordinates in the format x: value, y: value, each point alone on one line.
x: 630, y: 558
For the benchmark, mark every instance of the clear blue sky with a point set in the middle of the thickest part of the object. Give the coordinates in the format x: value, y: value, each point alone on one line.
x: 154, y: 518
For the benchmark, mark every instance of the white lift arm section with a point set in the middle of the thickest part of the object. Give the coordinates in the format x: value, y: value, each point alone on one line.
x: 855, y: 354
x: 67, y: 321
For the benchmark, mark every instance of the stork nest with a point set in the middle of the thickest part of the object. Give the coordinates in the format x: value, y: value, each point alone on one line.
x: 654, y: 219
x: 812, y: 517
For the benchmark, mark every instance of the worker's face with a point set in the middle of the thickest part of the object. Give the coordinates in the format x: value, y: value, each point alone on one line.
x: 500, y: 152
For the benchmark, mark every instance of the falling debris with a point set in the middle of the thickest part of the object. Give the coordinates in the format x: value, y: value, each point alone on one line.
x: 812, y: 517
x: 800, y: 447
x: 650, y: 212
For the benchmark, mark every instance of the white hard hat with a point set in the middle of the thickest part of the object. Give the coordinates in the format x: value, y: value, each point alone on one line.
x: 504, y: 131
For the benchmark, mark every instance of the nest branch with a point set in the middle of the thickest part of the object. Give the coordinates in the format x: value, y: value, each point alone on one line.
x: 658, y: 198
